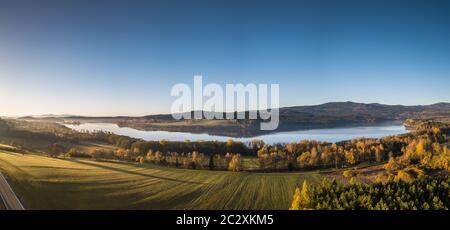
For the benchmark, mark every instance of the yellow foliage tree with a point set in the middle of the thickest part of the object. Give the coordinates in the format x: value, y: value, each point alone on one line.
x: 141, y: 160
x: 350, y: 157
x: 403, y: 175
x: 304, y: 158
x: 159, y: 157
x: 391, y: 165
x: 348, y: 173
x: 235, y: 163
x: 314, y: 160
x: 302, y: 198
x: 436, y: 130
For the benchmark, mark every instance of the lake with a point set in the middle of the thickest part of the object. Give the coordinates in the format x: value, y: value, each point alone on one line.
x: 329, y: 135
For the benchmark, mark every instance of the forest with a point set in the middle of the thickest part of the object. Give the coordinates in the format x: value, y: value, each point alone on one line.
x: 429, y: 193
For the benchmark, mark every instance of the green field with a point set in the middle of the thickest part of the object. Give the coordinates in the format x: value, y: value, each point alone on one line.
x: 48, y: 183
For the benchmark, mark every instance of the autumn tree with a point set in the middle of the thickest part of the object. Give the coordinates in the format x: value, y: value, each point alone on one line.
x: 140, y: 159
x: 55, y: 149
x: 263, y: 156
x: 235, y: 163
x: 302, y: 199
x: 257, y: 144
x: 195, y: 159
x: 350, y: 157
x: 150, y: 156
x: 159, y: 157
x: 315, y: 158
x: 391, y: 165
x: 303, y: 159
x: 379, y: 153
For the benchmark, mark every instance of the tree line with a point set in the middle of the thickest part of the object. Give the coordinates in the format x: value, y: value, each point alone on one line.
x: 423, y: 146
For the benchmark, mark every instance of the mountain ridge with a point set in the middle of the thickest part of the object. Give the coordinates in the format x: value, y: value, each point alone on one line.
x: 296, y: 108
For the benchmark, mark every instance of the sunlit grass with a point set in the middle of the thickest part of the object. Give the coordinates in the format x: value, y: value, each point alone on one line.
x: 49, y: 183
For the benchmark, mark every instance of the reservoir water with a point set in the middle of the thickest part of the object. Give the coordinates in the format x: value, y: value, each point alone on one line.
x: 329, y: 135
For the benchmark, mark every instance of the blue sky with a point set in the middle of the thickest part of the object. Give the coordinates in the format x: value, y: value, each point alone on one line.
x: 122, y: 58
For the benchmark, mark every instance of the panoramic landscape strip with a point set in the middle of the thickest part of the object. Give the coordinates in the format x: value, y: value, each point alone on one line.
x: 224, y: 113
x: 43, y: 158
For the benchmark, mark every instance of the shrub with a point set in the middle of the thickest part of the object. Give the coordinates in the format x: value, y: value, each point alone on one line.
x: 102, y: 154
x: 404, y: 175
x: 348, y: 173
x: 392, y: 165
x: 74, y: 153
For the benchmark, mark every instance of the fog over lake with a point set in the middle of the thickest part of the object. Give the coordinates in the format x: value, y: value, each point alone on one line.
x: 329, y: 135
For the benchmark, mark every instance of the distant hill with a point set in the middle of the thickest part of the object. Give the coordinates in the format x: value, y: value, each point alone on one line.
x: 372, y: 111
x: 328, y: 115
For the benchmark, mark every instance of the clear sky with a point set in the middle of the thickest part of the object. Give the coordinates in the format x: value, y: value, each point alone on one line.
x: 122, y: 58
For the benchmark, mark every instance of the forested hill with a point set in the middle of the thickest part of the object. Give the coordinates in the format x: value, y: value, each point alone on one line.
x: 373, y: 110
x: 328, y: 115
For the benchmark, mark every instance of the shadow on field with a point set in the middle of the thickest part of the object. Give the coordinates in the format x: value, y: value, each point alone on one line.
x: 131, y: 172
x: 52, y: 167
x: 12, y: 153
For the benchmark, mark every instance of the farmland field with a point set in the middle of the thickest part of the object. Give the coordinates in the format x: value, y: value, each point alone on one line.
x: 49, y: 183
x: 2, y: 206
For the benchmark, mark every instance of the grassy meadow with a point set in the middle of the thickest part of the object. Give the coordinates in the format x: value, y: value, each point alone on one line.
x: 49, y: 183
